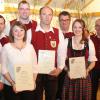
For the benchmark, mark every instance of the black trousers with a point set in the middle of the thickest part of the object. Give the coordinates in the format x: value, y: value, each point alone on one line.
x: 1, y: 95
x: 61, y: 78
x: 95, y: 76
x: 47, y: 84
x: 9, y: 94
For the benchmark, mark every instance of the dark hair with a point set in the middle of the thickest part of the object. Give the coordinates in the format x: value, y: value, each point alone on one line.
x: 84, y: 38
x: 43, y: 8
x: 2, y: 18
x: 23, y: 2
x: 65, y: 13
x: 19, y: 24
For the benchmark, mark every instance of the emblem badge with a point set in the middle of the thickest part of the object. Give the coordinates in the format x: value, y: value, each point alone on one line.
x: 53, y: 44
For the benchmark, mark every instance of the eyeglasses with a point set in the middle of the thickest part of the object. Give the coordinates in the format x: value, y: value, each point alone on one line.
x: 62, y: 20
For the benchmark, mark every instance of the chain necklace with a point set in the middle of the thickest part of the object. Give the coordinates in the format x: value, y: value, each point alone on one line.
x: 19, y: 47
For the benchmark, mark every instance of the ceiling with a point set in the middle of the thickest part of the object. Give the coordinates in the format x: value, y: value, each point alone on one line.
x: 73, y: 6
x: 63, y: 4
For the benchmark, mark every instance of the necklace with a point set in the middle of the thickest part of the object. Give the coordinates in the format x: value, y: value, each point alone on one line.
x: 19, y: 46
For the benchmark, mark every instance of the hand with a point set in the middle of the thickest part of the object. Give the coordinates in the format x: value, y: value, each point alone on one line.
x: 14, y: 88
x: 1, y: 86
x: 55, y: 72
x: 69, y: 75
x: 87, y: 71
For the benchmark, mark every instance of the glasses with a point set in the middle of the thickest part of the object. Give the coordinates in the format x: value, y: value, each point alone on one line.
x: 62, y: 20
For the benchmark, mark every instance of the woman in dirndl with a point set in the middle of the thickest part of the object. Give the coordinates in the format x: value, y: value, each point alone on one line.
x: 78, y: 87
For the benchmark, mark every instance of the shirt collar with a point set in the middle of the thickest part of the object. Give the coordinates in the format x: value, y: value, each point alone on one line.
x: 30, y: 20
x: 38, y: 28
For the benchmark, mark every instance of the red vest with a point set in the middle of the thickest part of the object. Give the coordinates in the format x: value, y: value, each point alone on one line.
x: 4, y: 40
x: 96, y: 42
x: 30, y: 25
x: 68, y: 35
x: 46, y: 41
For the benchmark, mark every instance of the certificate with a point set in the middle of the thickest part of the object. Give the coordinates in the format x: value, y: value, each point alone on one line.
x: 24, y: 77
x: 46, y: 61
x: 77, y: 67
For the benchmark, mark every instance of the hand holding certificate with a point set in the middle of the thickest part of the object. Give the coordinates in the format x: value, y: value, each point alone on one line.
x: 24, y: 77
x: 46, y: 61
x: 77, y: 67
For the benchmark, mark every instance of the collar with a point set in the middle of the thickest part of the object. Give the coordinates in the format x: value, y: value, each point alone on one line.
x: 30, y: 20
x: 38, y: 28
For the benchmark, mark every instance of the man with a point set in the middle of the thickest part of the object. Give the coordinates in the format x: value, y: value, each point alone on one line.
x: 3, y: 40
x: 95, y: 74
x: 64, y: 22
x: 47, y: 38
x: 24, y: 13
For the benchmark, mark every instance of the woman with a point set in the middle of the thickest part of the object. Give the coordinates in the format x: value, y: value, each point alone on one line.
x: 3, y: 40
x: 17, y: 52
x: 78, y: 46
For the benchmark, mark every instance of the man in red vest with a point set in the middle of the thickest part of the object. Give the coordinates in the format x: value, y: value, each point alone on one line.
x: 64, y: 22
x: 46, y: 38
x: 95, y: 73
x: 24, y: 18
x: 3, y: 40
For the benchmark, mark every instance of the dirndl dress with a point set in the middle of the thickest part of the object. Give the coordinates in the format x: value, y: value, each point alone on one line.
x: 77, y: 89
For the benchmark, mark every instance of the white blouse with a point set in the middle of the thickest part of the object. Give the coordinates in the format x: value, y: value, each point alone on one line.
x: 62, y: 51
x: 12, y: 56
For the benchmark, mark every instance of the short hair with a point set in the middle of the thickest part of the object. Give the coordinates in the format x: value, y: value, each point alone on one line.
x: 19, y: 24
x: 45, y: 7
x: 64, y: 13
x: 2, y: 18
x: 23, y: 2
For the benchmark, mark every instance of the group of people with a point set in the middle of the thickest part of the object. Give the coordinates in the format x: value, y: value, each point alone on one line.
x: 22, y: 43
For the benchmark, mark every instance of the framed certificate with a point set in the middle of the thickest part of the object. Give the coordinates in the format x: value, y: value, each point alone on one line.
x: 24, y: 77
x: 77, y: 67
x: 46, y: 61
